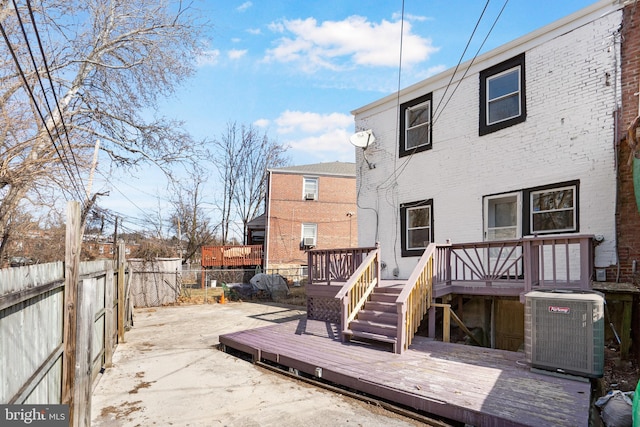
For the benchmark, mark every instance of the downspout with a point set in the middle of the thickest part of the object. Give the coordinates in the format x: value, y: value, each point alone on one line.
x: 616, y: 145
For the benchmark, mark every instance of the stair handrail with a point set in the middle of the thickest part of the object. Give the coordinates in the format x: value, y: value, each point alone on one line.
x: 415, y: 298
x: 355, y: 292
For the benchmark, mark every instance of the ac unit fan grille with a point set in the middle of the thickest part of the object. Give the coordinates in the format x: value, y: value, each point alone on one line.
x: 567, y: 334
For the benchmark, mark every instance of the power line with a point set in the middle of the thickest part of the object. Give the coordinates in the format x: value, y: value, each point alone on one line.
x: 33, y: 98
x: 462, y: 55
x: 53, y: 91
x: 399, y: 170
x: 473, y: 59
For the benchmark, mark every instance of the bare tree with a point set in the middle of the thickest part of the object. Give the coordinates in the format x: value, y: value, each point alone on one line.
x: 259, y: 153
x: 243, y: 156
x: 189, y: 220
x: 72, y: 72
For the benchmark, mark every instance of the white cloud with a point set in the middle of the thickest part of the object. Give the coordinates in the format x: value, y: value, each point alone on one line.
x: 236, y: 53
x: 262, y: 123
x: 244, y: 6
x: 354, y: 41
x: 277, y: 27
x: 299, y: 121
x: 330, y: 145
x: 409, y: 17
x: 324, y: 136
x: 236, y: 40
x: 254, y: 31
x: 209, y: 57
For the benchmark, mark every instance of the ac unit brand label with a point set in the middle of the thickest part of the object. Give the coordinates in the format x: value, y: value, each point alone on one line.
x: 556, y: 309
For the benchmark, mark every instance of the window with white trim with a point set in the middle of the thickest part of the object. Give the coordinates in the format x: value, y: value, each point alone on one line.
x: 502, y: 217
x: 502, y: 95
x: 310, y: 188
x: 416, y: 221
x: 309, y: 235
x: 415, y: 125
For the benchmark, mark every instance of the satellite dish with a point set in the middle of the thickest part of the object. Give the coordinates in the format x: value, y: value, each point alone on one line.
x: 362, y: 139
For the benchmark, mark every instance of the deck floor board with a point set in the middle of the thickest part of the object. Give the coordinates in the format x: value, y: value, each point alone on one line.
x: 478, y: 386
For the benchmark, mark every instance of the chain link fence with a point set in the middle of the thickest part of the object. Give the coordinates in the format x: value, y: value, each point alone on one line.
x: 205, y: 286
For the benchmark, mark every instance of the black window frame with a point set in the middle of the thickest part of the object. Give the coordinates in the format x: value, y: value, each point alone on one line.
x: 403, y: 118
x: 516, y: 61
x: 526, y: 208
x: 403, y: 226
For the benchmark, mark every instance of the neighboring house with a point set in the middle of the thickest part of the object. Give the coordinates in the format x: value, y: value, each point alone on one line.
x: 520, y: 141
x: 308, y: 206
x: 256, y: 230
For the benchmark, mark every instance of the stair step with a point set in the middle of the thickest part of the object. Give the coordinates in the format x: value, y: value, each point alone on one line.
x: 375, y: 337
x: 378, y: 316
x: 388, y: 289
x: 381, y: 306
x: 373, y: 327
x: 384, y: 297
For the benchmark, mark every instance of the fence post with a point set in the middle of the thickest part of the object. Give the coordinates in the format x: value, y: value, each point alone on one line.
x: 121, y: 297
x: 84, y: 354
x: 71, y: 266
x: 109, y: 329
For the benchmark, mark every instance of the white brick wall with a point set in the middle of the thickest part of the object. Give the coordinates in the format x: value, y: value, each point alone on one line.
x: 571, y: 80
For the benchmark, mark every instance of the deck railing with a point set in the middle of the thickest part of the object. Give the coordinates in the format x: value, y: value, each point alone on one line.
x: 355, y: 292
x: 335, y: 265
x: 415, y: 299
x: 231, y: 256
x: 530, y: 263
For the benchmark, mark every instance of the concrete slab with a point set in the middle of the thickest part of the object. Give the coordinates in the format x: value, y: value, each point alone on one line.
x: 169, y: 372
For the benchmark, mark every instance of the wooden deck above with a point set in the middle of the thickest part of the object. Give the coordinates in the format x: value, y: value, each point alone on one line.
x: 231, y: 256
x: 473, y: 385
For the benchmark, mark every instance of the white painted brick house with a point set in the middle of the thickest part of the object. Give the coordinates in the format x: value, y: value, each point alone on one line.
x: 541, y: 161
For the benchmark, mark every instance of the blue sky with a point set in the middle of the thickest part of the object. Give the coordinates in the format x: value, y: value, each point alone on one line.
x: 295, y: 69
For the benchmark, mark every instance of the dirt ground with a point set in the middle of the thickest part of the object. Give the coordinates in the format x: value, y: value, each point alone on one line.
x: 169, y: 372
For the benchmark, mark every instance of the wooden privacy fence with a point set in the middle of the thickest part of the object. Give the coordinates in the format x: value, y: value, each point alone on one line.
x: 59, y: 325
x: 32, y: 329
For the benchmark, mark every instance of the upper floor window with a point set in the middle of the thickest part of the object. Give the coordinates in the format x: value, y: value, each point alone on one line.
x: 416, y: 222
x: 502, y: 95
x: 415, y: 125
x: 310, y: 189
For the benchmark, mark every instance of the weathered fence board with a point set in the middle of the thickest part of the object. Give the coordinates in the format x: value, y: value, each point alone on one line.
x: 31, y: 325
x: 155, y: 283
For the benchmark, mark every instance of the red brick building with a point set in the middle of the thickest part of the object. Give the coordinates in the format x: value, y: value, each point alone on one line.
x: 309, y: 206
x: 628, y: 216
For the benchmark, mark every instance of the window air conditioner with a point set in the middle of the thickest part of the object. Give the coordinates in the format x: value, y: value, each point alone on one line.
x: 308, y: 241
x: 564, y: 332
x: 310, y: 196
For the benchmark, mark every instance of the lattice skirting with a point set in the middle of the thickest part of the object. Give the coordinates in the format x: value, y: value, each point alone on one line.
x: 322, y: 308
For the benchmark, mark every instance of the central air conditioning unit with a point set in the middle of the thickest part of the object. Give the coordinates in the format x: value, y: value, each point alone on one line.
x: 564, y: 332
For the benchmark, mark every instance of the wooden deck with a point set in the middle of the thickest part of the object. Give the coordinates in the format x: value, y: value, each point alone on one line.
x: 473, y: 385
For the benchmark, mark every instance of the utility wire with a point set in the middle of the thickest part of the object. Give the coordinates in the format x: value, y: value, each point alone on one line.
x: 462, y: 55
x: 53, y: 91
x: 473, y: 59
x: 398, y: 171
x: 37, y: 73
x: 33, y: 98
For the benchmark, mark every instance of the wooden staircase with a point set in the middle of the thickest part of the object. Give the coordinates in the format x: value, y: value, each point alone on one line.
x: 378, y: 319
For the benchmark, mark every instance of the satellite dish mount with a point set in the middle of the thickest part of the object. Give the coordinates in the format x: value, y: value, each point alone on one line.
x: 362, y: 140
